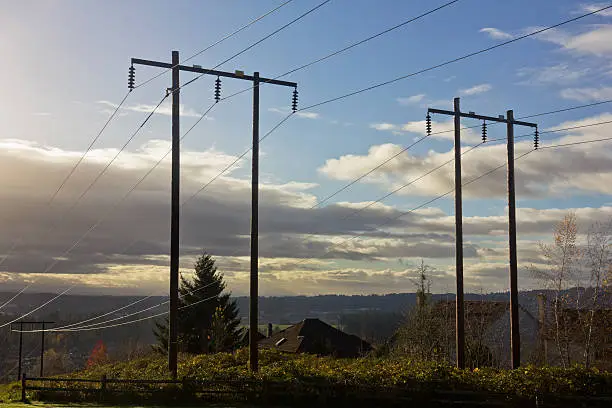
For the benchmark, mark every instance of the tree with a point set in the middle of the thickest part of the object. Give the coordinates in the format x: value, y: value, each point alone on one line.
x: 423, y: 334
x: 598, y: 263
x: 98, y: 355
x: 561, y: 273
x: 208, y: 319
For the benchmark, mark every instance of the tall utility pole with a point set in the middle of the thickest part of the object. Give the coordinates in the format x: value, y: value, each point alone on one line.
x: 175, y: 217
x: 513, y: 269
x: 174, y: 239
x: 42, y: 344
x: 254, y: 278
x: 459, y: 304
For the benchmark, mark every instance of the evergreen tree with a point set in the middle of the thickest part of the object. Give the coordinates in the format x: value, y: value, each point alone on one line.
x: 212, y: 323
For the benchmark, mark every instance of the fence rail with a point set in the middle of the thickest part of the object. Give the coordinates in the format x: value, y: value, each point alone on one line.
x: 291, y: 392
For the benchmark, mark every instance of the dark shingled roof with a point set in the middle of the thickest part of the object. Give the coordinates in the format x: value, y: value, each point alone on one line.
x: 316, y: 337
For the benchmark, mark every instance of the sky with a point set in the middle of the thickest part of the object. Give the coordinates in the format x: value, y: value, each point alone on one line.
x: 65, y: 71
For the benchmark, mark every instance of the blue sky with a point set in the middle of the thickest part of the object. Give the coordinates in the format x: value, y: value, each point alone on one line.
x: 68, y: 64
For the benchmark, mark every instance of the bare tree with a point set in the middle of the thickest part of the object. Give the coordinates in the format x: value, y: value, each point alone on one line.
x: 598, y: 257
x: 561, y: 273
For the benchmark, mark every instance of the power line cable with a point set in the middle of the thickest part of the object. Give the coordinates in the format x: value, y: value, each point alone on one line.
x: 273, y: 33
x: 246, y: 49
x: 70, y: 327
x: 143, y: 318
x: 199, y: 119
x: 228, y: 36
x: 37, y: 308
x: 466, y: 56
x: 411, y: 75
x: 8, y: 302
x: 401, y: 214
x: 119, y: 106
x: 427, y: 69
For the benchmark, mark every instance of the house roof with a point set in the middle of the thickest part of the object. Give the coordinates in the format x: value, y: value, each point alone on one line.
x: 316, y: 337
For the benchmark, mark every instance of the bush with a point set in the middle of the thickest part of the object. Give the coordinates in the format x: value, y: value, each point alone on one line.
x: 372, y: 372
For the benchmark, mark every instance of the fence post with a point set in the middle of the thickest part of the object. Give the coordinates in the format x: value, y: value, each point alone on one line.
x: 102, y: 386
x: 23, y: 388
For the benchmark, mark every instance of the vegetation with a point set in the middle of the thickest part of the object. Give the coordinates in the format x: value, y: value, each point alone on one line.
x: 210, y: 323
x: 580, y: 317
x: 384, y: 372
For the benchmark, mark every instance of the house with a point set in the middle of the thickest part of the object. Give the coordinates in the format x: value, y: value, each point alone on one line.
x: 314, y: 336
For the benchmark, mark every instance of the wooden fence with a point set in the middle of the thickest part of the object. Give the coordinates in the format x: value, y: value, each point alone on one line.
x: 291, y: 393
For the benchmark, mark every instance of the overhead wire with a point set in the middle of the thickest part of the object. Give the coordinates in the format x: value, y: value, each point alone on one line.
x: 198, y: 121
x: 212, y: 106
x: 150, y: 115
x: 228, y: 36
x: 71, y: 327
x: 439, y: 65
x: 472, y: 54
x: 8, y: 302
x: 120, y: 105
x: 37, y: 308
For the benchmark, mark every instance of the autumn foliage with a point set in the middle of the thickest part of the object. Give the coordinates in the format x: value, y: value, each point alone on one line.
x: 98, y: 355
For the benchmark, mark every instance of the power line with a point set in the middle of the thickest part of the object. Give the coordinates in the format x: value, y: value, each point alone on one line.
x: 70, y: 327
x: 228, y: 36
x: 192, y: 127
x: 273, y: 33
x: 143, y: 318
x: 472, y: 54
x: 8, y: 302
x: 411, y: 75
x: 396, y: 190
x: 419, y: 72
x: 118, y: 107
x: 37, y: 308
x: 210, y: 107
x: 350, y: 46
x: 401, y: 214
x: 71, y: 172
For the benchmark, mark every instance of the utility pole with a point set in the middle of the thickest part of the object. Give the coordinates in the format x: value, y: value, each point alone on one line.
x: 42, y: 343
x: 20, y: 349
x: 513, y: 269
x: 176, y: 67
x: 42, y: 348
x: 515, y: 340
x: 254, y: 278
x: 459, y: 303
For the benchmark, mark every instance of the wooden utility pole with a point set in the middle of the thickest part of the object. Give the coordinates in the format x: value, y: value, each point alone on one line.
x: 254, y: 278
x: 515, y: 340
x: 174, y: 247
x: 459, y: 304
x: 175, y: 218
x: 20, y: 349
x: 514, y: 317
x: 42, y: 344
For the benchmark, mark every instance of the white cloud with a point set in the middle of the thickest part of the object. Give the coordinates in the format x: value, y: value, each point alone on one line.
x: 440, y: 130
x: 305, y: 115
x: 475, y: 90
x: 587, y: 94
x: 582, y: 169
x: 41, y: 114
x: 595, y: 42
x: 496, y: 34
x: 384, y: 126
x: 410, y: 100
x: 164, y: 109
x: 555, y: 74
x: 591, y: 7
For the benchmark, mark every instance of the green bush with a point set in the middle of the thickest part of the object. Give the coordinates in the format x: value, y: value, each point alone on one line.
x: 382, y: 372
